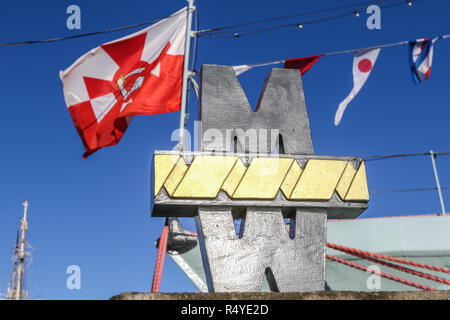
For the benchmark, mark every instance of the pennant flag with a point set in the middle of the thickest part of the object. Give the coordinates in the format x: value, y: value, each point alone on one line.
x: 241, y: 69
x: 363, y: 63
x: 421, y: 57
x: 140, y: 74
x: 302, y: 64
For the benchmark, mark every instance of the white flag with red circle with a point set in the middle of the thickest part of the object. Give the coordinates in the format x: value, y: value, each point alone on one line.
x: 363, y: 63
x: 140, y: 74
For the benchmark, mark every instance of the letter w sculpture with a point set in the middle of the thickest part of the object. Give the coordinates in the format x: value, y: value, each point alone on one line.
x: 236, y: 175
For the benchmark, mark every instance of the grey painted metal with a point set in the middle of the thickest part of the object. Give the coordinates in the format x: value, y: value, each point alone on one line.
x: 164, y: 205
x: 245, y: 157
x: 224, y: 107
x: 263, y: 249
x: 179, y: 240
x: 187, y: 49
x: 441, y: 200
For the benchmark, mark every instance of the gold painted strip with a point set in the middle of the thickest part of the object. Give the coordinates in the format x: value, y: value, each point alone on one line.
x: 233, y: 179
x: 263, y: 178
x: 175, y: 176
x: 205, y: 176
x: 318, y: 180
x: 291, y: 179
x: 163, y: 165
x: 358, y: 190
x: 346, y: 180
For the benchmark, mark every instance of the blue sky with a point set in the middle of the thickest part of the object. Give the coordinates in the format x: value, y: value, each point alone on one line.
x: 95, y: 213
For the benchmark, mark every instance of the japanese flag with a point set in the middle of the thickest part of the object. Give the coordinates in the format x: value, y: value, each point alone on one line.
x: 363, y: 63
x: 140, y: 74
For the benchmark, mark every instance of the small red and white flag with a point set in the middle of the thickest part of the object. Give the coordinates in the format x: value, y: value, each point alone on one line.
x: 363, y: 63
x: 303, y: 64
x: 140, y: 74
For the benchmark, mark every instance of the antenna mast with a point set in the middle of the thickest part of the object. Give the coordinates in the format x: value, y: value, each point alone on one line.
x: 24, y: 227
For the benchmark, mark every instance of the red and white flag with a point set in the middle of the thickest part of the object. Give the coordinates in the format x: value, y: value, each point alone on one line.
x: 363, y: 63
x: 140, y: 74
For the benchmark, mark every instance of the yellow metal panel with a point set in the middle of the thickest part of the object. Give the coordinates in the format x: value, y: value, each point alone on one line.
x: 358, y: 190
x: 205, y: 176
x: 163, y: 165
x: 345, y: 181
x: 318, y: 180
x: 291, y: 179
x: 233, y: 179
x: 175, y: 176
x: 263, y: 178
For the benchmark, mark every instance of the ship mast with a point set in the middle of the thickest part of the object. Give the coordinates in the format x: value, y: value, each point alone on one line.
x: 24, y: 227
x: 12, y: 284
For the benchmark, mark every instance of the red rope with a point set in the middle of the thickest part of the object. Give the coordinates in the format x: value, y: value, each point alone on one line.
x: 381, y: 256
x: 162, y: 248
x: 382, y: 274
x: 371, y: 256
x: 404, y: 269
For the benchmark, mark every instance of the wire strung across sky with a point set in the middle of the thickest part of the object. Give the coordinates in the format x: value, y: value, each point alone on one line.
x: 355, y: 10
x: 408, y: 190
x: 219, y: 31
x: 353, y: 6
x: 82, y: 35
x: 402, y: 155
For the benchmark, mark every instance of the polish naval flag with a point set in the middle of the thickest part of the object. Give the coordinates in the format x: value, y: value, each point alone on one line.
x: 363, y: 63
x: 140, y: 74
x: 421, y: 58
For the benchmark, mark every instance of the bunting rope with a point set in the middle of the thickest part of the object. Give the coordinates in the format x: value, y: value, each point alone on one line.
x: 420, y: 57
x: 393, y: 44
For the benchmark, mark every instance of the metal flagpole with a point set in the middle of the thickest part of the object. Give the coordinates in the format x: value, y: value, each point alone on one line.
x: 437, y: 182
x: 186, y: 77
x: 187, y: 47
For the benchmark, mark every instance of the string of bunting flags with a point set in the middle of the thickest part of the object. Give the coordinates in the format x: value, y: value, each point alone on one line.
x: 146, y: 73
x: 420, y: 57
